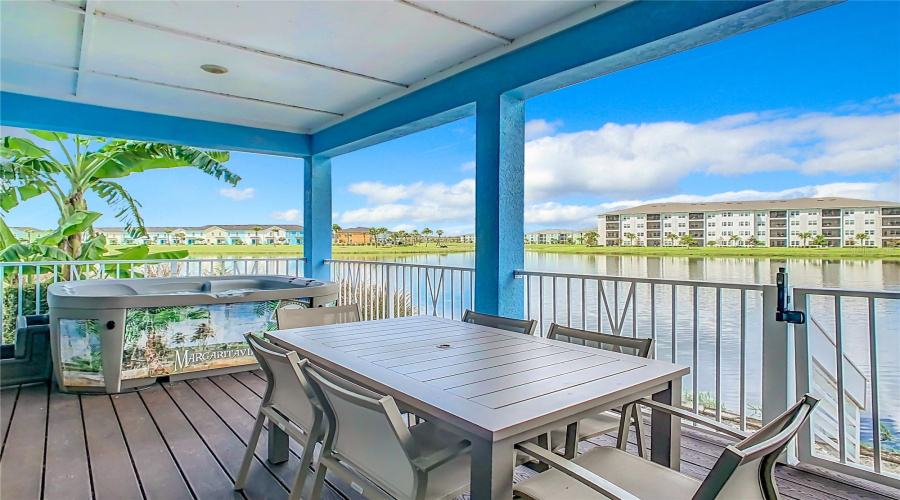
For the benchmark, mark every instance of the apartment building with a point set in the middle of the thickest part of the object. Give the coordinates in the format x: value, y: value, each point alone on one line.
x: 773, y: 223
x: 227, y: 234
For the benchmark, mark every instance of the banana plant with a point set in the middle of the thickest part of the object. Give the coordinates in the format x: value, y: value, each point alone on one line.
x: 29, y: 170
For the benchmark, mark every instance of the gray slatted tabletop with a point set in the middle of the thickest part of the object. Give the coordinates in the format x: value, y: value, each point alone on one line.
x: 492, y: 387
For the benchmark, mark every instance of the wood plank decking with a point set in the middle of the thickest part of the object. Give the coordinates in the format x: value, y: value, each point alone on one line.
x: 186, y: 440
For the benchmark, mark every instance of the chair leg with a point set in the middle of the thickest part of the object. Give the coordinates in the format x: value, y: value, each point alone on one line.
x: 638, y: 419
x: 306, y: 460
x: 318, y: 481
x: 251, y: 450
x: 624, y: 425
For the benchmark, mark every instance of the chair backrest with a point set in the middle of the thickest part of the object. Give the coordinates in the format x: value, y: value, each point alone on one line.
x: 300, y: 317
x: 287, y: 388
x: 367, y: 432
x: 747, y: 469
x: 616, y: 343
x: 526, y: 326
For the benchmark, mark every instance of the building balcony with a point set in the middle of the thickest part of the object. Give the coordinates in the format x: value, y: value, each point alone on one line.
x: 831, y: 213
x: 653, y: 225
x: 612, y: 218
x: 612, y: 227
x: 777, y: 234
x: 777, y: 215
x: 778, y: 224
x: 694, y: 225
x: 890, y: 211
x: 836, y: 223
x: 653, y: 216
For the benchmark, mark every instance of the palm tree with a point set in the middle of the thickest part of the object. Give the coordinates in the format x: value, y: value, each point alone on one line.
x: 687, y: 240
x: 256, y: 230
x: 401, y: 236
x: 819, y: 241
x: 283, y: 240
x: 671, y: 237
x: 862, y: 237
x: 30, y: 170
x: 631, y: 237
x: 179, y: 238
x: 805, y: 236
x: 439, y: 233
x: 734, y: 238
x: 426, y: 232
x: 415, y: 236
x: 590, y: 238
x: 335, y: 229
x: 168, y: 236
x: 276, y: 231
x: 373, y: 232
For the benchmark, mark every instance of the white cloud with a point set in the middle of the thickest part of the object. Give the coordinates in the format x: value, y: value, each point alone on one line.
x: 237, y: 194
x: 535, y: 129
x: 291, y: 215
x: 467, y: 166
x: 637, y: 160
x: 434, y: 202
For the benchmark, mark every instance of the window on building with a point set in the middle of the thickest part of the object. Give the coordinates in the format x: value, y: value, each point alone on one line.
x: 850, y: 222
x: 760, y: 233
x: 711, y: 233
x: 681, y: 224
x: 795, y: 213
x: 795, y: 223
x: 849, y: 212
x: 870, y: 232
x: 851, y: 232
x: 640, y: 226
x: 667, y: 224
x: 727, y: 214
x: 711, y: 224
x: 870, y: 222
x: 813, y: 223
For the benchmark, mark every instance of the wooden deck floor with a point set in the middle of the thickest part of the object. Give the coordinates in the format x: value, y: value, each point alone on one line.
x: 186, y: 440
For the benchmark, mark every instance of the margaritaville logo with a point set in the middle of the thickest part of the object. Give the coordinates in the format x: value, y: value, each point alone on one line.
x: 186, y: 358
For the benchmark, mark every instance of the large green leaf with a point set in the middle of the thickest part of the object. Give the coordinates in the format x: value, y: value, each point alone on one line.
x: 48, y: 136
x: 76, y: 223
x: 94, y: 248
x: 33, y: 252
x: 7, y: 239
x: 24, y: 147
x: 137, y: 252
x: 122, y: 158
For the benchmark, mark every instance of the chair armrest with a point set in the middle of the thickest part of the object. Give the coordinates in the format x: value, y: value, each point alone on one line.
x: 440, y: 457
x: 576, y: 472
x: 682, y: 413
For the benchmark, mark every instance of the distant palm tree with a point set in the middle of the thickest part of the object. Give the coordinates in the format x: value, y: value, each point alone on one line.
x: 335, y: 229
x: 590, y: 238
x: 631, y: 237
x: 179, y: 238
x: 276, y: 231
x: 401, y: 236
x: 688, y: 240
x: 862, y: 237
x: 671, y: 237
x: 805, y: 236
x: 734, y: 238
x: 819, y: 241
x: 168, y: 236
x: 283, y: 240
x: 426, y: 232
x: 415, y: 236
x: 439, y: 233
x: 373, y: 232
x: 256, y: 230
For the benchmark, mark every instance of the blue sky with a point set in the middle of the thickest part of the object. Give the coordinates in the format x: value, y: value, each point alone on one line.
x: 807, y: 107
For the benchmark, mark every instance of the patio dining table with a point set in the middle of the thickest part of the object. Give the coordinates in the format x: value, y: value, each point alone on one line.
x: 492, y: 387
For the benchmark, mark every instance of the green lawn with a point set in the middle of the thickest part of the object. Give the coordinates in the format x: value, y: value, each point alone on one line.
x: 760, y: 252
x: 394, y: 251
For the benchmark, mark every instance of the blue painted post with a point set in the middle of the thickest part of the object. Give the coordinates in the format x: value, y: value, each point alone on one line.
x: 317, y: 216
x: 499, y: 205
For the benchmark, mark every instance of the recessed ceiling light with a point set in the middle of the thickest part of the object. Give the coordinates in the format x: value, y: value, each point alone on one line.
x: 214, y: 69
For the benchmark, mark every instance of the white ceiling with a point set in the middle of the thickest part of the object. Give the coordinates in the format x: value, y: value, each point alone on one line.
x: 293, y: 66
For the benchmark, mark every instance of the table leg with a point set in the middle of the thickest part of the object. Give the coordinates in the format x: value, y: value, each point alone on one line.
x: 279, y: 444
x: 665, y: 430
x: 492, y: 469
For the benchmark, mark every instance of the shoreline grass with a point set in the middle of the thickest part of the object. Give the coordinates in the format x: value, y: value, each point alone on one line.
x: 344, y: 251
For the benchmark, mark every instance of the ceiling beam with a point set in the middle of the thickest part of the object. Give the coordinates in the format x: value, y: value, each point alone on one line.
x: 460, y: 22
x: 41, y: 113
x: 87, y: 29
x: 194, y: 36
x: 210, y: 92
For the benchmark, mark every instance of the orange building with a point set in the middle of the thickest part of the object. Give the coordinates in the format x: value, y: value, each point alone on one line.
x: 354, y: 236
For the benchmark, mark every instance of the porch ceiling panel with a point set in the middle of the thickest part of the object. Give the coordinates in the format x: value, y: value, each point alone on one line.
x: 282, y: 57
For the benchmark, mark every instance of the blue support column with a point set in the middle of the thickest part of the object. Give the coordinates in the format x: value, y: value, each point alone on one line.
x: 317, y: 216
x: 499, y: 205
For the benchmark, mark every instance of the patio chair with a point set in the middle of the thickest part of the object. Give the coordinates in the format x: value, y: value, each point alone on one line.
x: 526, y: 326
x: 745, y: 470
x: 601, y: 423
x: 367, y: 437
x: 288, y: 403
x: 317, y: 316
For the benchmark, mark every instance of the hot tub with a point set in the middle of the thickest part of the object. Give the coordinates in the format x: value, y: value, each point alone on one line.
x: 112, y: 335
